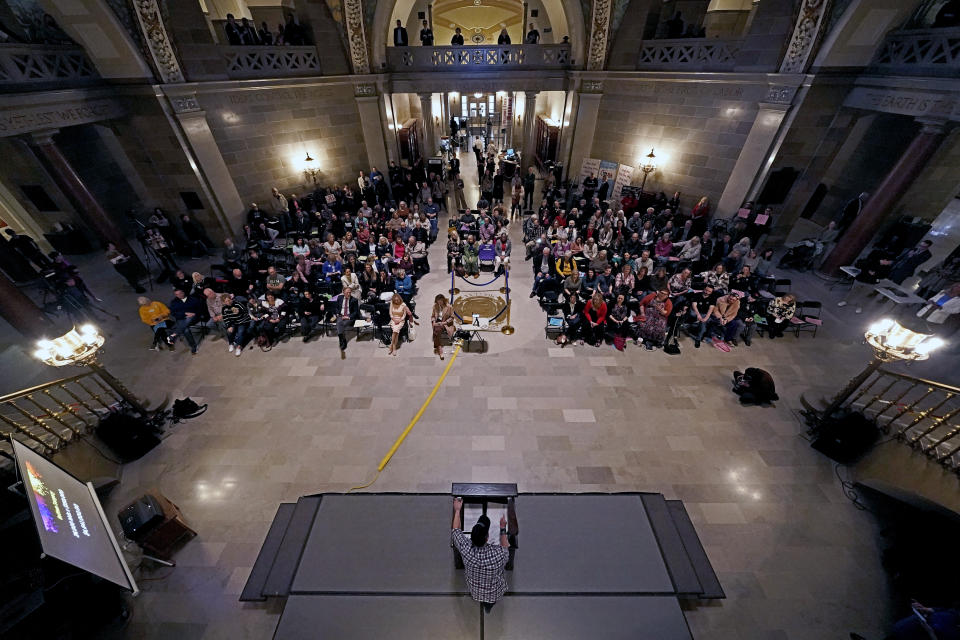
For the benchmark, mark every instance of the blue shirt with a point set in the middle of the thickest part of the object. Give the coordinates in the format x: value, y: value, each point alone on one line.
x: 403, y: 285
x: 331, y: 268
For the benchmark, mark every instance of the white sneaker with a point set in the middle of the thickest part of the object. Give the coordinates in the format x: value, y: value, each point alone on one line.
x: 229, y: 348
x: 842, y: 303
x: 238, y: 352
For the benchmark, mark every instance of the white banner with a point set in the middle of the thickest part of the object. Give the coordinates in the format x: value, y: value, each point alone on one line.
x: 624, y: 176
x: 590, y: 165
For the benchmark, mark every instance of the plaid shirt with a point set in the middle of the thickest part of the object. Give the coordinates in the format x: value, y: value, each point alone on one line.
x: 483, y: 567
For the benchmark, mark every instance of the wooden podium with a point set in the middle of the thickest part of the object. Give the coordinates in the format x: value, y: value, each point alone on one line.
x: 161, y: 540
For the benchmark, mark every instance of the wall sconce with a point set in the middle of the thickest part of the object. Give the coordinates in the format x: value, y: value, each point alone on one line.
x: 311, y: 171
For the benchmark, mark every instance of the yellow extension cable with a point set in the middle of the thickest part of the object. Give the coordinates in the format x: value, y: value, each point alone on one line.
x: 396, y: 445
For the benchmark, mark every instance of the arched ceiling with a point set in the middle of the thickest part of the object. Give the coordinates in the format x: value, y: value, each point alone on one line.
x: 566, y: 18
x: 475, y: 20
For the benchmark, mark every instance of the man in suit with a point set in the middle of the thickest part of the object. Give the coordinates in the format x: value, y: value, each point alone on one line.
x: 232, y: 29
x: 426, y: 35
x: 348, y: 310
x: 457, y: 39
x: 400, y: 35
x: 544, y: 271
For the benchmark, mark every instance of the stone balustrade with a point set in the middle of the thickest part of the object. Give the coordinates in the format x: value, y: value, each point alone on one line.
x: 271, y: 62
x: 28, y: 64
x: 919, y: 52
x: 688, y: 54
x: 470, y: 58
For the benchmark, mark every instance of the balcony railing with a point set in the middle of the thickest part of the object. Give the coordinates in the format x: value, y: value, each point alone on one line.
x: 923, y: 52
x: 922, y: 414
x: 480, y: 58
x: 267, y: 62
x: 25, y: 64
x: 700, y: 54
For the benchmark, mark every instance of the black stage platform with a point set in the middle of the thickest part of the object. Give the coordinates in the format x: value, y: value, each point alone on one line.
x: 380, y: 566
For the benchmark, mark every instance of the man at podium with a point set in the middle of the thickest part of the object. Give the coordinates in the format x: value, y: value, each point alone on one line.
x: 483, y: 563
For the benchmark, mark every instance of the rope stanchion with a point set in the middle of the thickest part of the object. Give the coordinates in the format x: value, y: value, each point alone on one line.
x: 481, y: 284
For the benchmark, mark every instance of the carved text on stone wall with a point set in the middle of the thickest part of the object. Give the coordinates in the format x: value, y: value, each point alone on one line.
x: 31, y: 120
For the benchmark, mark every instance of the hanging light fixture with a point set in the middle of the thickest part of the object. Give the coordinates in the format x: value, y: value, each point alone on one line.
x: 648, y: 166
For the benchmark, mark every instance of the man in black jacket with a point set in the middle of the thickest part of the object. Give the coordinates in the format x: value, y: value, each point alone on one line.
x: 186, y: 311
x: 457, y: 39
x: 400, y: 35
x: 311, y: 313
x: 544, y: 271
x: 426, y: 35
x: 347, y: 310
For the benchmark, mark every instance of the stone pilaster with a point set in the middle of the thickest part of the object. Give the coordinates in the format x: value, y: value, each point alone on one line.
x: 529, y: 119
x: 599, y: 32
x: 753, y: 156
x: 158, y: 42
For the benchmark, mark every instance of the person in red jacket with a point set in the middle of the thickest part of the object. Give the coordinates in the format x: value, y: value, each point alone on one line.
x: 595, y: 316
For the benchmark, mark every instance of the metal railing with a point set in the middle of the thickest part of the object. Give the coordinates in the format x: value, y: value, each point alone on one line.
x: 922, y: 414
x: 480, y: 58
x: 37, y: 63
x: 268, y: 62
x: 700, y: 54
x: 926, y: 52
x: 50, y: 416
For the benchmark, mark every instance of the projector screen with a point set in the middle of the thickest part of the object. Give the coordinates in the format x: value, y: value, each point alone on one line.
x: 70, y: 520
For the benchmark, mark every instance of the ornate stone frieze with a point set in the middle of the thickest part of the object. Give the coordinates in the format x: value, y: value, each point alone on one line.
x: 804, y: 38
x: 353, y: 12
x: 155, y: 34
x: 185, y: 104
x: 599, y: 30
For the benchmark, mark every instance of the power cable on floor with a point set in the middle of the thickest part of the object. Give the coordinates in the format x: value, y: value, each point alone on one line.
x: 426, y: 403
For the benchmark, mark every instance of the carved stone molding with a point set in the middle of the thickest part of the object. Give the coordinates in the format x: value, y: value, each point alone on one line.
x: 599, y: 30
x: 155, y: 34
x: 805, y: 32
x: 781, y: 95
x: 353, y: 12
x: 592, y: 86
x: 185, y: 104
x: 362, y: 90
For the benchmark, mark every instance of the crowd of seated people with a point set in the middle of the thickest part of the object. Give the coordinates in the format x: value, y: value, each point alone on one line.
x: 610, y: 276
x: 304, y: 267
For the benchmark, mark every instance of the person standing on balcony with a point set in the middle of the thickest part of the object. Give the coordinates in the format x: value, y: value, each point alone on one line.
x: 457, y: 39
x: 533, y: 36
x: 232, y: 30
x: 426, y: 35
x: 400, y: 36
x: 504, y: 37
x: 266, y: 38
x: 248, y: 33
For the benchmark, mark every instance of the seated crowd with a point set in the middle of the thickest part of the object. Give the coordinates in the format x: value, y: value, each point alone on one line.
x: 641, y: 275
x: 324, y: 260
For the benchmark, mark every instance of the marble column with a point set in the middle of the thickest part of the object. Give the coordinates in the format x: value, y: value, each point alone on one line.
x: 529, y: 118
x: 228, y: 207
x: 885, y: 196
x: 77, y: 192
x: 370, y: 123
x: 426, y: 113
x: 752, y: 157
x: 566, y: 135
x: 584, y: 129
x: 20, y: 311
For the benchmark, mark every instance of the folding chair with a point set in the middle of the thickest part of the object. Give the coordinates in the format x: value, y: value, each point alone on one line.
x: 766, y: 288
x: 807, y: 318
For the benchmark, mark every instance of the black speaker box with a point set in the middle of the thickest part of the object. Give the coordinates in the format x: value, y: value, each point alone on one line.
x: 845, y: 437
x: 129, y: 437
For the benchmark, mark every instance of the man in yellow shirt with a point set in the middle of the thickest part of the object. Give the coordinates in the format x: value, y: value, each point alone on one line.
x: 155, y: 315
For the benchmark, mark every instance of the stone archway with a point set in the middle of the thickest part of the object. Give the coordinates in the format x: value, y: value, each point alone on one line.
x: 853, y: 40
x: 558, y: 12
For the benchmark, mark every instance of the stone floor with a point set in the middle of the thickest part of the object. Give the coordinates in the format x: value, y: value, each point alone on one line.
x: 796, y: 559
